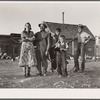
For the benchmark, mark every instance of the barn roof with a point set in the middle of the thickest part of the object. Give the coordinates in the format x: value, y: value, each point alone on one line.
x: 69, y: 30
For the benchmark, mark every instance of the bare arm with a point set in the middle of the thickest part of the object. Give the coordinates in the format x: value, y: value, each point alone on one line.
x: 48, y: 45
x: 88, y: 39
x: 31, y: 38
x: 65, y: 49
x: 48, y: 41
x: 57, y: 43
x: 23, y: 38
x: 75, y: 37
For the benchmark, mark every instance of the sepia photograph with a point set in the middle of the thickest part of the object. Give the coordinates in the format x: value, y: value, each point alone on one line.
x: 49, y: 45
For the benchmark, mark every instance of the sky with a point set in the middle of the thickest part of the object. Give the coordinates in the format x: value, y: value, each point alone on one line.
x: 14, y: 15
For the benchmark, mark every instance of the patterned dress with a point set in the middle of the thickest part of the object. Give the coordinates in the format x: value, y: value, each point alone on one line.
x: 27, y: 54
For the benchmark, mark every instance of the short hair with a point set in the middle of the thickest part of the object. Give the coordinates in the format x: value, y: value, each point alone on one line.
x: 29, y: 25
x: 58, y: 29
x: 63, y: 36
x: 80, y: 26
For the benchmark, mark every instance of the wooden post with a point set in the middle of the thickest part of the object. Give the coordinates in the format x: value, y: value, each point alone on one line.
x: 95, y: 48
x: 63, y: 17
x: 73, y: 48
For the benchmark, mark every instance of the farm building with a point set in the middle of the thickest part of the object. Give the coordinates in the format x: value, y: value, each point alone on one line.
x: 98, y: 47
x: 70, y: 30
x: 10, y: 44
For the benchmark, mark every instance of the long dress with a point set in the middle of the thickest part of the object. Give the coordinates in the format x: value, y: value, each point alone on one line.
x: 27, y: 53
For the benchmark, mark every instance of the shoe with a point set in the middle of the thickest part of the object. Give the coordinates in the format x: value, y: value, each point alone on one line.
x: 39, y: 74
x: 25, y: 75
x: 76, y: 70
x: 67, y: 62
x: 44, y: 74
x: 81, y: 71
x: 52, y: 70
x: 59, y: 75
x: 29, y: 75
x: 68, y: 76
x: 64, y: 74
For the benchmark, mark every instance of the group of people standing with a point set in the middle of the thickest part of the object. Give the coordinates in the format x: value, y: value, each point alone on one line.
x: 38, y: 48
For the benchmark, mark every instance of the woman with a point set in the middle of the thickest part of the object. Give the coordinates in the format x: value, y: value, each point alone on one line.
x: 27, y: 55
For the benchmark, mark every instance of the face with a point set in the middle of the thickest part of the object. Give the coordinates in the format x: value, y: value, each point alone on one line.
x: 61, y: 39
x: 57, y: 32
x: 42, y: 27
x: 79, y: 29
x: 28, y: 27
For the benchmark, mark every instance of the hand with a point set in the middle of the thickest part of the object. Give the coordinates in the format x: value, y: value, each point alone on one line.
x: 46, y: 53
x: 52, y: 34
x: 26, y: 40
x: 20, y: 41
x: 57, y: 45
x: 86, y: 42
x: 61, y: 49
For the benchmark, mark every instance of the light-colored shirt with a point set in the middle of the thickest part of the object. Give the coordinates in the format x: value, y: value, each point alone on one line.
x: 82, y: 37
x: 62, y: 43
x: 78, y: 37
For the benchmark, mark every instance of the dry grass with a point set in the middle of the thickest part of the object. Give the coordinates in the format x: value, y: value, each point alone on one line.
x: 11, y: 76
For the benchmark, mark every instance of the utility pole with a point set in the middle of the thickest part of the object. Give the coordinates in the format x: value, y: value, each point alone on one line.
x: 95, y: 50
x: 63, y: 17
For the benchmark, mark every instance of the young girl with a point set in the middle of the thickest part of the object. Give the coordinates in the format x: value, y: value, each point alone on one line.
x: 27, y: 55
x: 61, y: 56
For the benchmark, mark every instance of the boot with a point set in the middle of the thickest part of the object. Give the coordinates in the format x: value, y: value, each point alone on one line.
x: 25, y: 71
x: 29, y: 72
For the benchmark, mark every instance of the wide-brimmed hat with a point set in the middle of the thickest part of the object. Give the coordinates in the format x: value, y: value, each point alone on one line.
x: 42, y: 24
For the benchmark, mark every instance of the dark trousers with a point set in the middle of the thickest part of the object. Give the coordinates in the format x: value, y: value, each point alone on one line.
x: 41, y: 62
x: 80, y: 51
x: 53, y: 58
x: 61, y: 63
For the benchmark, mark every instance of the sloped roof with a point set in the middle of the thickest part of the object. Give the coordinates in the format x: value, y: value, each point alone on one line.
x: 69, y: 30
x: 15, y: 35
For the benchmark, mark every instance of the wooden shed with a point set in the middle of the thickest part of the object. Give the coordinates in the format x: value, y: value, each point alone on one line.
x: 10, y: 44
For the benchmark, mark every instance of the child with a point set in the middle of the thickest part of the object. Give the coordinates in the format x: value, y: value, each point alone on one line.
x: 61, y: 56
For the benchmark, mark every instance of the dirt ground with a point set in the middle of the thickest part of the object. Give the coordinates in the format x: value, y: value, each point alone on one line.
x: 11, y: 76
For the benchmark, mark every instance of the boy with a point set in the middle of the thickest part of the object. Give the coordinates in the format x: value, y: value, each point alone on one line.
x: 54, y: 38
x: 61, y: 47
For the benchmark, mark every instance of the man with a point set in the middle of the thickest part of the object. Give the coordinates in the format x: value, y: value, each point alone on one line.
x: 83, y: 38
x: 42, y: 48
x: 53, y: 40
